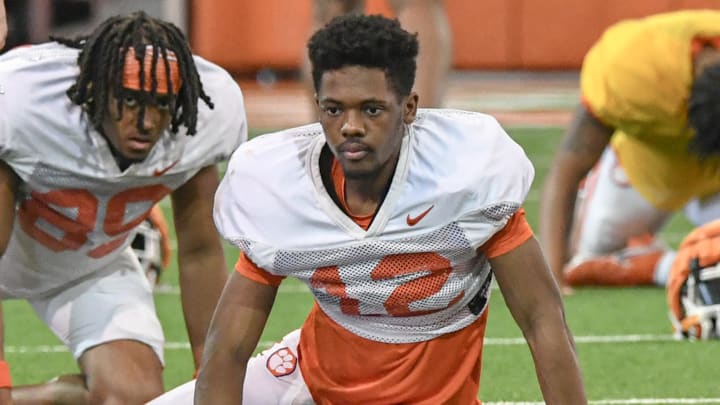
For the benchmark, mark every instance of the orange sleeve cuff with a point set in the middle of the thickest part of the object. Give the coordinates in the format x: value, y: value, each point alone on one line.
x: 5, y: 380
x: 247, y: 268
x: 516, y: 232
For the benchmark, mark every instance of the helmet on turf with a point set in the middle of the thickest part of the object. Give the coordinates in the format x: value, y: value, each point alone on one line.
x: 694, y: 287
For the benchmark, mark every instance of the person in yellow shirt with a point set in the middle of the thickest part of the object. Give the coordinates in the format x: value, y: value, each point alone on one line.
x: 643, y: 144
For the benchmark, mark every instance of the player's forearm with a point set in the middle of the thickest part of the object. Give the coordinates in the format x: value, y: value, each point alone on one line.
x: 556, y: 362
x: 221, y: 380
x: 556, y: 219
x: 234, y: 333
x: 202, y: 278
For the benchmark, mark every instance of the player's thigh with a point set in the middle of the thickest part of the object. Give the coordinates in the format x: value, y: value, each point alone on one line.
x: 125, y: 371
x: 700, y: 211
x: 610, y: 211
x: 274, y: 377
x: 116, y: 303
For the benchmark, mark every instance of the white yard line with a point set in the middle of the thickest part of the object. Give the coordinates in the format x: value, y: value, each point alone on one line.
x: 488, y: 342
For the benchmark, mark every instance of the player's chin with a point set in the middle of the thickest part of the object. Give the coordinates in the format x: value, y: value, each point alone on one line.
x: 136, y: 155
x: 360, y: 173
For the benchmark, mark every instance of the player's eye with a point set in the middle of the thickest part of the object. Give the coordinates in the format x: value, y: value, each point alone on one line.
x: 163, y: 104
x: 373, y: 110
x: 130, y: 101
x: 332, y: 110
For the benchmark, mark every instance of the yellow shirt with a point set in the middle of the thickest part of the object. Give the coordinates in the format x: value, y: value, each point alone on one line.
x: 637, y: 79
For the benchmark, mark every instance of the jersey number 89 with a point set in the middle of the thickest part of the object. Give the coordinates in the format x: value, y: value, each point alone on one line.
x: 75, y: 230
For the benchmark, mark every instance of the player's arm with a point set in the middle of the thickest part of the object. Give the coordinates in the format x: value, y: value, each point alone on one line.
x: 236, y: 327
x: 203, y: 270
x: 583, y: 144
x: 536, y: 305
x: 8, y: 189
x: 3, y: 24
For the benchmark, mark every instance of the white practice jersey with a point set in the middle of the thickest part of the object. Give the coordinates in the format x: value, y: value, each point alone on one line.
x: 411, y: 275
x: 76, y: 209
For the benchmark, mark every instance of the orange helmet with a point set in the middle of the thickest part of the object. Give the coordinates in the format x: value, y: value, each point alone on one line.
x: 693, y: 291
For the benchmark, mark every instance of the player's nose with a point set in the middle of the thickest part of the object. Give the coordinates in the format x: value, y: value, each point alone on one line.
x: 352, y: 124
x: 152, y: 121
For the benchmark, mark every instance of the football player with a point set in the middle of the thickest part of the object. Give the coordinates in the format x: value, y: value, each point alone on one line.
x: 397, y: 220
x: 93, y: 132
x: 693, y: 290
x: 648, y: 128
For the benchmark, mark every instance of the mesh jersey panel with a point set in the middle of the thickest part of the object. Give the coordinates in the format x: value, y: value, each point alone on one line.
x: 394, y: 291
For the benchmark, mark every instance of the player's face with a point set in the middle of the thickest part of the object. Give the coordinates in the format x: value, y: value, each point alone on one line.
x: 363, y: 118
x: 132, y: 142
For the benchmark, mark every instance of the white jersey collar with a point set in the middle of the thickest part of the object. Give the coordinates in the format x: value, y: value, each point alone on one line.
x: 384, y: 212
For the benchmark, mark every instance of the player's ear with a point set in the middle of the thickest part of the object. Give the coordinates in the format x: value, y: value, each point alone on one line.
x: 410, y: 106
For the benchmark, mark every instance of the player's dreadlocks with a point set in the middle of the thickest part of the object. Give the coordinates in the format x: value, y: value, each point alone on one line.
x: 370, y: 41
x: 704, y: 112
x: 102, y: 59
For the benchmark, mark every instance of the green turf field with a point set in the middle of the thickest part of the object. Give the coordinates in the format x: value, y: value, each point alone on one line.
x: 623, y: 335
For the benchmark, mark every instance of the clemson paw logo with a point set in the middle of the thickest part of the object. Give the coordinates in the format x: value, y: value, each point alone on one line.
x: 282, y: 362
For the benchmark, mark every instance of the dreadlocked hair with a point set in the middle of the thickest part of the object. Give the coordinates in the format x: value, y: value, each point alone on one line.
x: 369, y: 41
x: 102, y: 60
x: 704, y: 112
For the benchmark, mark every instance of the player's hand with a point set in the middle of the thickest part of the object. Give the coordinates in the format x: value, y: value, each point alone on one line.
x: 5, y: 396
x: 566, y: 290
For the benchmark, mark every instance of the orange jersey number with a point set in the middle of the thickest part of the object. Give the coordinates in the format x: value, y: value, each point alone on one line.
x: 398, y: 304
x: 80, y: 217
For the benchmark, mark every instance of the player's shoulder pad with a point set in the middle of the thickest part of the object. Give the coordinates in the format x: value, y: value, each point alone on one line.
x: 31, y: 78
x: 222, y: 128
x: 471, y: 152
x: 273, y: 148
x: 267, y: 166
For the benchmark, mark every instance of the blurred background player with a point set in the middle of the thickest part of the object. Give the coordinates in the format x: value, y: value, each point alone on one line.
x: 427, y: 18
x: 398, y: 244
x: 152, y: 245
x: 649, y: 128
x: 94, y: 131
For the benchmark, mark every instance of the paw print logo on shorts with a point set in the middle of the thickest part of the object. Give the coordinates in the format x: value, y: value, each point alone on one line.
x: 282, y: 362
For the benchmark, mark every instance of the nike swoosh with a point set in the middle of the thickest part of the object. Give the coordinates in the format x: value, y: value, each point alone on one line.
x: 414, y: 221
x: 157, y: 172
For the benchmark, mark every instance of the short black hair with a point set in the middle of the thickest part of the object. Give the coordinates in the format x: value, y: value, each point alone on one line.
x: 371, y: 41
x: 102, y: 59
x: 704, y: 112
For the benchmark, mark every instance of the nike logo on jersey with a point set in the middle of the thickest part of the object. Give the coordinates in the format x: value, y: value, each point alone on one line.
x: 157, y: 172
x: 413, y: 221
